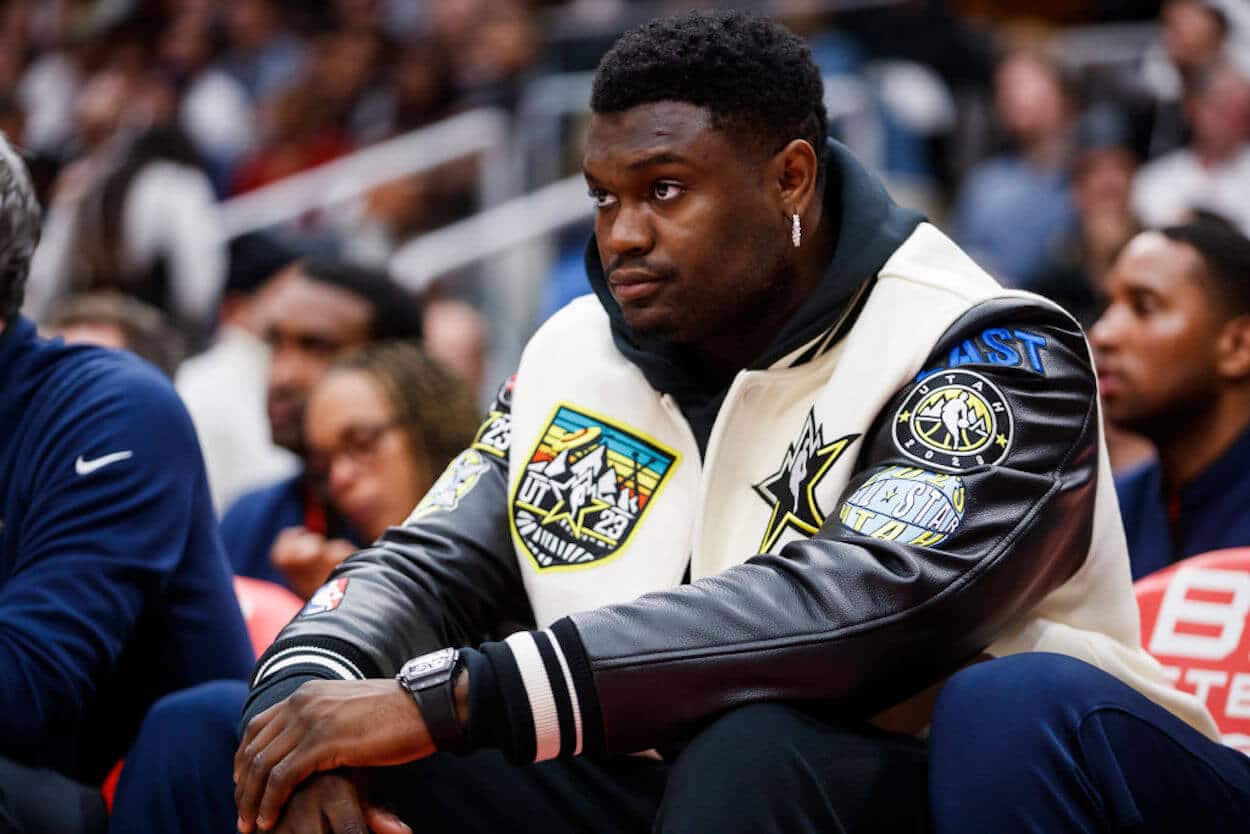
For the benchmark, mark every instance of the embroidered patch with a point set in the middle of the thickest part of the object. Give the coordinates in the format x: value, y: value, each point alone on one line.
x: 1014, y: 348
x: 791, y: 490
x: 460, y: 476
x: 495, y: 435
x: 953, y: 420
x: 584, y: 489
x: 327, y: 598
x: 907, y: 504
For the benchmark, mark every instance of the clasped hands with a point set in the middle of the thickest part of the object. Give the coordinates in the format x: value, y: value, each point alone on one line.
x: 325, y: 726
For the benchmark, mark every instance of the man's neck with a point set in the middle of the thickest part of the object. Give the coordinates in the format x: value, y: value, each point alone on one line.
x: 730, y: 352
x: 1187, y: 454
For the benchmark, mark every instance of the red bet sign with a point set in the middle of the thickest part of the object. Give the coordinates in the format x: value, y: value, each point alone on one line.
x: 1193, y: 618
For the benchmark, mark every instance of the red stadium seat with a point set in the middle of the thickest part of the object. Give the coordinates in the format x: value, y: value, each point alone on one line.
x: 266, y: 607
x: 1193, y: 617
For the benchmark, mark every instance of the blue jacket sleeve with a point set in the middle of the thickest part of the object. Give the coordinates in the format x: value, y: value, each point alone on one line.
x: 109, y: 515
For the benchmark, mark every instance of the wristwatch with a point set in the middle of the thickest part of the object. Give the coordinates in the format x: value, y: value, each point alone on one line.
x: 431, y: 680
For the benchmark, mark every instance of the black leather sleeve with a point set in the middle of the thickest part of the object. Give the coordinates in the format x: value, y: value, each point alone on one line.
x: 446, y: 577
x: 859, y: 620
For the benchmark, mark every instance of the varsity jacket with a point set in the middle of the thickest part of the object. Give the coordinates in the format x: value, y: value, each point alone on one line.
x: 912, y: 476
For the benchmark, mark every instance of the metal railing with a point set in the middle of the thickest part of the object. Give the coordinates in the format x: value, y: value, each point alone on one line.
x: 484, y: 131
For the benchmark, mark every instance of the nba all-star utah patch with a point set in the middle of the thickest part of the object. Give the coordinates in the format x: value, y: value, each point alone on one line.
x: 953, y: 420
x: 907, y: 504
x: 584, y: 489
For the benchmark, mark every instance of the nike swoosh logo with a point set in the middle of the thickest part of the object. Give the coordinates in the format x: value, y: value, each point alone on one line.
x: 85, y: 467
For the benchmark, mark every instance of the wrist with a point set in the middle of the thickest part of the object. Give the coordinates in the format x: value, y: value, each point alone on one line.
x: 431, y: 680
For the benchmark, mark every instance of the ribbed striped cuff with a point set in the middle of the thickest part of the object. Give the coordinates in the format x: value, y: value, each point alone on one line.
x: 325, y: 661
x: 548, y: 693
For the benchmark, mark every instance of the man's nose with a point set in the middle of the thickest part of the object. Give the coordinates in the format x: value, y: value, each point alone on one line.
x: 287, y: 369
x: 629, y: 231
x: 1104, y: 334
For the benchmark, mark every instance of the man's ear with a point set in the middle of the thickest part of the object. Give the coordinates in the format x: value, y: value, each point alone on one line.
x: 1233, y: 348
x: 797, y: 167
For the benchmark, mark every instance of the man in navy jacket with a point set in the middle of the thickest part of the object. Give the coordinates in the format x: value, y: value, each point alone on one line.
x: 113, y: 587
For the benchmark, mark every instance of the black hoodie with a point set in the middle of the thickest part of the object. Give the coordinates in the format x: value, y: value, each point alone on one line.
x: 865, y: 238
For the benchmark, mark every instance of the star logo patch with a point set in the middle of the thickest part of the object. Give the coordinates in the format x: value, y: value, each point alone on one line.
x: 791, y: 490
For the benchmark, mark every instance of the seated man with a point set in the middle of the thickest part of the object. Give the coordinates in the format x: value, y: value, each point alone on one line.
x: 315, y: 312
x: 873, y: 465
x: 1173, y: 355
x: 113, y: 587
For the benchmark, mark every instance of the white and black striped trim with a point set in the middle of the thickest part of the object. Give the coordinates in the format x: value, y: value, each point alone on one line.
x: 549, y: 687
x: 331, y: 661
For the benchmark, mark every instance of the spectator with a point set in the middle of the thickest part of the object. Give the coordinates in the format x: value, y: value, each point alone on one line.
x: 455, y: 336
x: 381, y: 425
x: 215, y: 109
x: 262, y: 55
x: 1173, y: 357
x: 114, y: 590
x: 136, y: 213
x: 1103, y: 170
x: 299, y: 130
x: 113, y: 320
x: 1013, y: 208
x: 316, y: 312
x: 1213, y: 171
x: 224, y: 387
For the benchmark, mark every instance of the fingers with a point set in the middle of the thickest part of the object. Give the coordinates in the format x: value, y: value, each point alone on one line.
x: 268, y: 778
x: 343, y: 810
x: 260, y: 731
x: 328, y: 804
x: 381, y: 821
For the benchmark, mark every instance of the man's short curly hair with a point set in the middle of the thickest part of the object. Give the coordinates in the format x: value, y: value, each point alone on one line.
x: 755, y: 77
x: 20, y: 218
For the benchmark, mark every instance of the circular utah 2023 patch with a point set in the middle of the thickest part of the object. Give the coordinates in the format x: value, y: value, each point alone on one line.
x: 906, y: 504
x: 953, y: 420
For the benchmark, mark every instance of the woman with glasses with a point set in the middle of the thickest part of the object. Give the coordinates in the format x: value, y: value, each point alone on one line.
x: 380, y: 427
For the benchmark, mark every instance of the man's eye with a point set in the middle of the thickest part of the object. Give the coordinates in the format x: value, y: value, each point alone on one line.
x: 665, y: 190
x: 602, y: 198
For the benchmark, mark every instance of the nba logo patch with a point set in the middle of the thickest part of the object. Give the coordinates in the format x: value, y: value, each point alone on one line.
x: 584, y: 489
x: 327, y: 598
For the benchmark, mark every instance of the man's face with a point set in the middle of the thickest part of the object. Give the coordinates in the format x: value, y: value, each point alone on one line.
x: 690, y: 241
x: 308, y: 324
x: 1155, y: 346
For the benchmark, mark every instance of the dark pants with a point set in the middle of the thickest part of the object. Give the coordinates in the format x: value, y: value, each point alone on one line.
x: 177, y: 772
x: 759, y: 769
x: 38, y: 801
x: 1041, y: 743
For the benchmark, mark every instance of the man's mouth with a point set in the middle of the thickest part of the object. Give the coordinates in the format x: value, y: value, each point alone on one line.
x: 631, y: 285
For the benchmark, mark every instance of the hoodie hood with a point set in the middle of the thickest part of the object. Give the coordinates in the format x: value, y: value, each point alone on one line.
x: 869, y: 228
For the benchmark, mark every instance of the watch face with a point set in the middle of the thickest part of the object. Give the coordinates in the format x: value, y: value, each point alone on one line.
x: 427, y: 663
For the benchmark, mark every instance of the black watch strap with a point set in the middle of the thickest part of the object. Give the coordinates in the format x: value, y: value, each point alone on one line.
x: 431, y: 680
